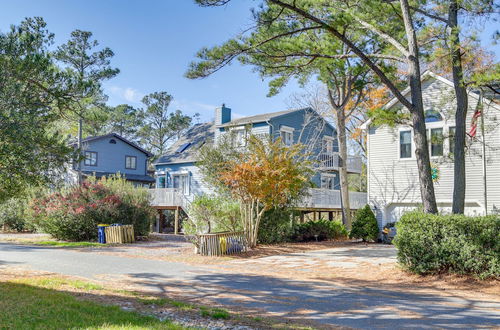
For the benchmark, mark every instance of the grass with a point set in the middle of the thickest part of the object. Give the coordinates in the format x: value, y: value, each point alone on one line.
x: 215, y: 313
x: 59, y: 282
x: 69, y: 244
x: 26, y: 306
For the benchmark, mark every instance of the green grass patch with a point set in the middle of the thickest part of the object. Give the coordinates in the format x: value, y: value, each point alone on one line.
x: 58, y: 282
x: 69, y: 244
x: 215, y: 313
x: 25, y: 306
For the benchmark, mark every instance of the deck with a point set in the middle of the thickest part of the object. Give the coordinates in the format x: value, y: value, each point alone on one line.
x: 317, y: 199
x: 332, y: 162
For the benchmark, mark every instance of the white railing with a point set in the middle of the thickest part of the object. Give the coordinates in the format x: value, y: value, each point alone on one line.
x: 331, y: 161
x: 330, y: 199
x: 168, y: 197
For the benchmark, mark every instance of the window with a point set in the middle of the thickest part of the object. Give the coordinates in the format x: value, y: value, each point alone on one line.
x: 286, y: 134
x: 90, y: 158
x: 328, y: 181
x: 405, y: 144
x: 181, y: 182
x: 436, y: 138
x: 432, y: 116
x: 451, y: 137
x: 131, y: 162
x: 162, y: 182
x: 112, y: 141
x: 239, y: 137
x: 328, y: 144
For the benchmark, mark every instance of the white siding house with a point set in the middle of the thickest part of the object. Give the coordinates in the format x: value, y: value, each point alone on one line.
x: 393, y: 186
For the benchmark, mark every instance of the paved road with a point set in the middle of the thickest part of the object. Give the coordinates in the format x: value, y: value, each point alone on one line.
x: 354, y: 306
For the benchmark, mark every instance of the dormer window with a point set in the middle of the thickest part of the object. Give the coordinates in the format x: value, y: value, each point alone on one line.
x: 432, y: 116
x: 286, y: 134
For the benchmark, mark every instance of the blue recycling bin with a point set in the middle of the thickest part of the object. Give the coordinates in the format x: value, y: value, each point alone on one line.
x: 101, y: 234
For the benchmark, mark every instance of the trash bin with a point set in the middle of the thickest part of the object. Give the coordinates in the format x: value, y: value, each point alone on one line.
x: 101, y: 234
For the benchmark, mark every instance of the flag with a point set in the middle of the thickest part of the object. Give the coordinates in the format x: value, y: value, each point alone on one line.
x: 473, y: 126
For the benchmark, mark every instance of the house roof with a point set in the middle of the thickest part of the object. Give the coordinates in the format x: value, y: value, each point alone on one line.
x: 257, y: 118
x: 425, y: 76
x: 114, y: 135
x: 185, y: 149
x: 130, y: 177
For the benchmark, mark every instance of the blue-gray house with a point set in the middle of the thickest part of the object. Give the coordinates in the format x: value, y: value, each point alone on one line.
x: 110, y: 154
x: 178, y: 179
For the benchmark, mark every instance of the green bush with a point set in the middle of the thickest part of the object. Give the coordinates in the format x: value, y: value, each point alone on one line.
x: 13, y: 214
x: 365, y: 225
x: 320, y: 230
x: 74, y: 213
x: 276, y: 226
x: 213, y: 214
x: 449, y: 243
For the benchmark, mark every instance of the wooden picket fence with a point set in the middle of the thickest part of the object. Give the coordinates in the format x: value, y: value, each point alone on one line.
x: 221, y: 243
x: 119, y: 234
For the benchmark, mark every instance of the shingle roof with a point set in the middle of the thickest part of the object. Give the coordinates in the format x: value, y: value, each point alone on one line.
x: 257, y: 118
x: 130, y: 177
x: 92, y: 138
x: 196, y: 136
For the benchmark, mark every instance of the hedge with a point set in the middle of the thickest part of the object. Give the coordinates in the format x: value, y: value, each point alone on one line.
x: 449, y: 243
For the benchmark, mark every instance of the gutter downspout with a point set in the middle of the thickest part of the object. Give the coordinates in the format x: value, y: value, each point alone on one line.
x: 485, y: 187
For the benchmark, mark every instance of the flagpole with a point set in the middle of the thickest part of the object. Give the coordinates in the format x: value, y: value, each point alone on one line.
x: 485, y: 187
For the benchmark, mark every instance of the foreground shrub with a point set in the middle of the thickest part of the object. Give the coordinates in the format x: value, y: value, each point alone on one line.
x: 449, y: 243
x: 276, y: 226
x: 320, y: 230
x: 73, y: 214
x: 365, y: 225
x: 213, y: 214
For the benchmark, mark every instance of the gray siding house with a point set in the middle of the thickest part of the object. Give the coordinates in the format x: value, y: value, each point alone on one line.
x: 178, y: 179
x: 393, y: 186
x: 111, y: 154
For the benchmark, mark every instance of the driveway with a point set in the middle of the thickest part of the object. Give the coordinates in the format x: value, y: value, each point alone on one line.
x: 354, y: 304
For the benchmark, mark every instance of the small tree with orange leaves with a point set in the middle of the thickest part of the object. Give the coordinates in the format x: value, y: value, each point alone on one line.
x: 266, y: 175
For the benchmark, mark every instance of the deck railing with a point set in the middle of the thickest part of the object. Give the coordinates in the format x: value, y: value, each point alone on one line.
x: 221, y: 243
x: 330, y: 199
x: 168, y: 197
x: 332, y: 161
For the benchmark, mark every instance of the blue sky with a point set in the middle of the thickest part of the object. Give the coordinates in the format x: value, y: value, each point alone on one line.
x: 154, y: 41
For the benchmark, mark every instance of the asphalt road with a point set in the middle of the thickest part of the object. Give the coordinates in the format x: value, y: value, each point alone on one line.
x: 354, y: 306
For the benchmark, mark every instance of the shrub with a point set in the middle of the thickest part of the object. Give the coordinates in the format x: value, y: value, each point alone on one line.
x: 12, y: 214
x: 365, y: 225
x: 320, y: 230
x: 212, y: 214
x: 276, y: 226
x: 449, y: 243
x: 73, y: 214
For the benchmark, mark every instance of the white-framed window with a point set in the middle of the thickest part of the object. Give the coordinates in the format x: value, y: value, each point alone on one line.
x: 286, y: 134
x: 131, y: 162
x: 90, y: 158
x: 328, y: 180
x: 239, y: 136
x: 436, y: 141
x: 328, y: 143
x: 405, y: 148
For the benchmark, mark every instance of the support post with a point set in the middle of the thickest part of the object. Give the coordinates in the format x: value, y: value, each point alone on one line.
x: 176, y: 222
x: 485, y: 187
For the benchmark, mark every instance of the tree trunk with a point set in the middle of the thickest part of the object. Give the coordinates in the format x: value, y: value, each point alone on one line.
x: 417, y: 115
x: 459, y: 183
x: 344, y: 184
x: 80, y: 138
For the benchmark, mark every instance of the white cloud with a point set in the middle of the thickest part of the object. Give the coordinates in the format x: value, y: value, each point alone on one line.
x: 128, y: 94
